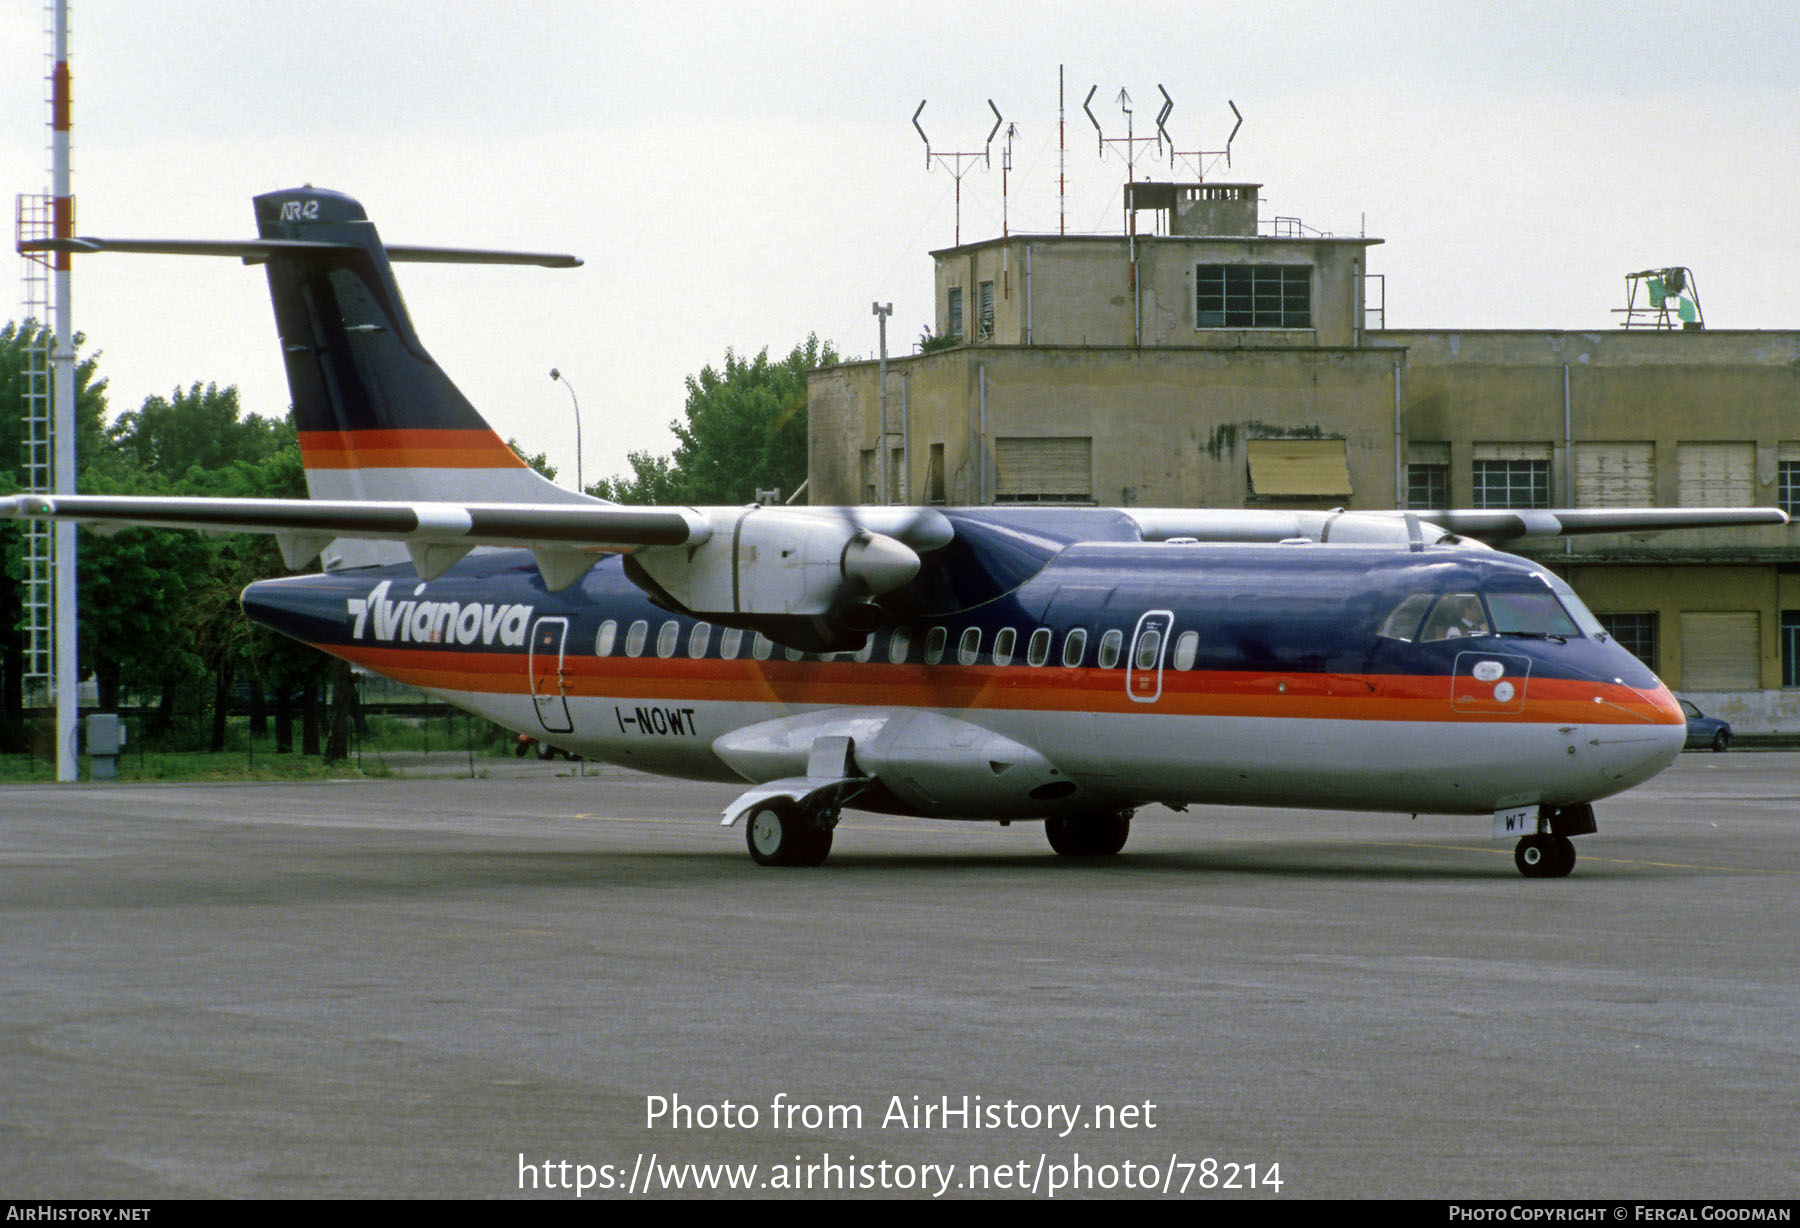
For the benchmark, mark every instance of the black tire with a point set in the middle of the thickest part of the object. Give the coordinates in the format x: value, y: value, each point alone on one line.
x: 779, y: 833
x: 1535, y: 856
x: 1721, y: 741
x: 1544, y: 856
x: 1099, y: 835
x: 1565, y: 856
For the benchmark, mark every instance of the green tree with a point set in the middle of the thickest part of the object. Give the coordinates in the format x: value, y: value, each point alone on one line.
x: 160, y: 610
x: 744, y: 430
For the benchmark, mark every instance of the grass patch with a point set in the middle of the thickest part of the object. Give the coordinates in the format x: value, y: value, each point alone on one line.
x: 200, y: 766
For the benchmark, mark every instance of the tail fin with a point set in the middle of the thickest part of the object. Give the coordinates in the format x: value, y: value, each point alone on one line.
x: 377, y: 418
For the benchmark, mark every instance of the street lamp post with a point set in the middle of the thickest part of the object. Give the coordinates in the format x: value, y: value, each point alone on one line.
x: 558, y: 376
x: 882, y: 312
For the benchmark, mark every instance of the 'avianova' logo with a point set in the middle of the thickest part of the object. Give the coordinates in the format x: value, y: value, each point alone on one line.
x: 435, y: 622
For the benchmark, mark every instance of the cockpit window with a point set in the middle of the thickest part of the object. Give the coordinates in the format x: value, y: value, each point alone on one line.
x: 1403, y: 623
x: 1455, y: 616
x: 1529, y: 613
x: 1577, y: 609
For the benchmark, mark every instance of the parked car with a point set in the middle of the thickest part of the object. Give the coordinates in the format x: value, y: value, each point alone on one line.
x: 1704, y: 730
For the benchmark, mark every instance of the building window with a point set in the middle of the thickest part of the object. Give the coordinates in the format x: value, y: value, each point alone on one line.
x: 1427, y: 476
x: 1058, y: 469
x: 1299, y: 468
x: 1615, y: 474
x: 953, y: 326
x: 934, y: 475
x: 1512, y: 475
x: 1787, y: 488
x: 1715, y: 474
x: 1636, y: 634
x: 1790, y: 648
x: 1253, y: 296
x: 984, y: 320
x: 1428, y: 486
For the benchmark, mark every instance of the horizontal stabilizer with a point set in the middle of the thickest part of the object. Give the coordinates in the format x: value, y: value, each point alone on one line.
x: 259, y: 251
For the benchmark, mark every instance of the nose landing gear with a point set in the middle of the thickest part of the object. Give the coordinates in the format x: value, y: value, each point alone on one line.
x: 1545, y: 856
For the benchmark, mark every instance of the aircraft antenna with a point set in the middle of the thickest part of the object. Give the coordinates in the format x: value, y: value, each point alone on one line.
x: 48, y: 434
x: 958, y: 163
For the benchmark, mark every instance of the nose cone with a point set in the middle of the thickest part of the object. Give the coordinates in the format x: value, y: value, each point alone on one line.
x: 1629, y: 754
x: 880, y: 562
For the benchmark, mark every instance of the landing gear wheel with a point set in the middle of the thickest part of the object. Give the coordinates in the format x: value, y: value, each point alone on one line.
x: 1721, y: 741
x: 781, y: 834
x: 1099, y: 835
x: 1545, y: 856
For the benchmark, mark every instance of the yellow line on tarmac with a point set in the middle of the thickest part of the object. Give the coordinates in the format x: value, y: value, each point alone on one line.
x: 1587, y: 858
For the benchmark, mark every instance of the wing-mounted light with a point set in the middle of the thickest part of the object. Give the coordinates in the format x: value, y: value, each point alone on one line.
x: 810, y: 579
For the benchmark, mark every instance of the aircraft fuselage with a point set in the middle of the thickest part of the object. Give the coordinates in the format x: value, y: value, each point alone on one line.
x: 1114, y: 674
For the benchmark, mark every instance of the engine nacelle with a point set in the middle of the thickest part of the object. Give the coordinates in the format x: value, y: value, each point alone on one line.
x: 778, y: 562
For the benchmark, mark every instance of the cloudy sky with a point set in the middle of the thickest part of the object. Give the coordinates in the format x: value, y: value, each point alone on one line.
x: 741, y: 176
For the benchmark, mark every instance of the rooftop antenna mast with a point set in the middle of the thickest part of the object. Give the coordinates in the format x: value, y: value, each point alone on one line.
x: 960, y: 163
x: 1012, y: 130
x: 1129, y: 143
x: 1200, y: 157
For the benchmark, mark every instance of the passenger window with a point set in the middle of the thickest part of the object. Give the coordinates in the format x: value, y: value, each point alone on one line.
x: 729, y: 643
x: 899, y: 644
x: 604, y: 638
x: 698, y: 640
x: 1403, y: 623
x: 1110, y: 644
x: 934, y: 645
x: 1149, y: 648
x: 635, y: 637
x: 1456, y: 616
x: 1003, y: 646
x: 794, y: 654
x: 761, y: 647
x: 969, y: 647
x: 1075, y: 647
x: 868, y: 648
x: 1187, y: 647
x: 1038, y: 650
x: 667, y: 638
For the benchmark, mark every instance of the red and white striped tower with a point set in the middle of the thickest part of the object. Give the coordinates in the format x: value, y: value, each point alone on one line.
x: 62, y: 366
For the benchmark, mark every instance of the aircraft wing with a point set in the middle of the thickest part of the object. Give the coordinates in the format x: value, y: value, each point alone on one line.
x: 726, y: 563
x: 1505, y: 526
x: 1493, y: 527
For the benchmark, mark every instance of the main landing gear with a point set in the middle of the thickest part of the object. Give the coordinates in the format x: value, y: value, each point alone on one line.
x: 1545, y: 856
x: 1089, y: 835
x: 781, y: 833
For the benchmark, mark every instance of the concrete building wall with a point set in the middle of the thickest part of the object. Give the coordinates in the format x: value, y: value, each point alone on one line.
x: 1062, y: 291
x: 1170, y: 426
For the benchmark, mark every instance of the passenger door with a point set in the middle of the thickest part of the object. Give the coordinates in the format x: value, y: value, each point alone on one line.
x: 549, y: 685
x: 1144, y: 664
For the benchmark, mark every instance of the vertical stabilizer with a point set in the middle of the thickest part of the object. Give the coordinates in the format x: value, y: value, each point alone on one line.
x: 377, y: 418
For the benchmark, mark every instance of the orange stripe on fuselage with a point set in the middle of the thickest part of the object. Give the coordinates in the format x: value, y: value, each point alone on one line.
x: 408, y: 449
x: 1380, y: 697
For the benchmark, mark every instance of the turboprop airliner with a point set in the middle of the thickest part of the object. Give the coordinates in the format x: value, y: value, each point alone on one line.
x: 1063, y: 665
